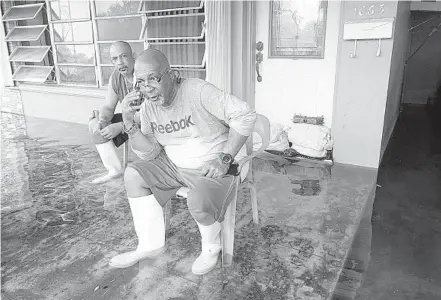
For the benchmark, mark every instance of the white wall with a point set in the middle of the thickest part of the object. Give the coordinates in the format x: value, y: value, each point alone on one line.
x: 297, y: 86
x: 361, y: 94
x: 61, y: 103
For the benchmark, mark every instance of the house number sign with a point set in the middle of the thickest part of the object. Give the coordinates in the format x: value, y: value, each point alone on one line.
x: 369, y: 10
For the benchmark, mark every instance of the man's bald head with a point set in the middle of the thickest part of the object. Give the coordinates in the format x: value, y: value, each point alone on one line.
x: 152, y: 72
x: 121, y: 46
x: 151, y: 60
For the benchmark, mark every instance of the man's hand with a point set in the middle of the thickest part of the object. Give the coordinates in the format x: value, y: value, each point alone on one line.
x: 111, y: 131
x: 215, y: 168
x: 128, y: 109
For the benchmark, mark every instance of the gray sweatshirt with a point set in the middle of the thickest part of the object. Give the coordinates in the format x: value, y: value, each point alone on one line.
x: 194, y: 128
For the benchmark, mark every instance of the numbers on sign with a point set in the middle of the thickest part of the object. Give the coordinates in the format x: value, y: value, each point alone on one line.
x: 381, y: 7
x: 365, y: 10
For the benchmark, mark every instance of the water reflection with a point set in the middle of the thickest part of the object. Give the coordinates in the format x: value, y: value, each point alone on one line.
x: 51, y: 181
x: 66, y: 223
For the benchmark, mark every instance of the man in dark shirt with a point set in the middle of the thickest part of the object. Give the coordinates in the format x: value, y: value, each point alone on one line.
x: 105, y: 126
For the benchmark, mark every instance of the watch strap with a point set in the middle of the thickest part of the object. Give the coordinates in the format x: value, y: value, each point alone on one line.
x: 131, y: 130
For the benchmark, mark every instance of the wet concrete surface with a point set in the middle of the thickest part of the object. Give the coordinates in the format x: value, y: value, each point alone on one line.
x: 59, y: 231
x: 406, y: 243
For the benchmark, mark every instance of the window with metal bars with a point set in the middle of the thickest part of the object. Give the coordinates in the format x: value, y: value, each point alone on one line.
x: 29, y: 48
x: 177, y: 28
x: 81, y: 32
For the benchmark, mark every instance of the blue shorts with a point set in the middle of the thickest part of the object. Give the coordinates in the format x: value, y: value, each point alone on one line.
x: 209, y: 195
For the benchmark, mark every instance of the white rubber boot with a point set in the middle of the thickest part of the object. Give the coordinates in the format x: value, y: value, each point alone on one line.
x: 211, y: 246
x: 109, y: 157
x: 148, y: 218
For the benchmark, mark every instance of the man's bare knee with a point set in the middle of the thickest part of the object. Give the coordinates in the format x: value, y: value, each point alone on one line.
x: 97, y: 138
x: 132, y: 179
x: 135, y: 184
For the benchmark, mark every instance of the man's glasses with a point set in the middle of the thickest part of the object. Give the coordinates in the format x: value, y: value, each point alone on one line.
x: 153, y: 80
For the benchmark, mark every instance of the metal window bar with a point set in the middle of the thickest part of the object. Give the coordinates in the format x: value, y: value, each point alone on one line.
x: 144, y: 22
x: 73, y: 43
x: 31, y: 73
x: 179, y: 43
x: 69, y: 21
x: 5, y: 5
x: 98, y: 74
x: 144, y: 32
x: 100, y: 65
x: 29, y: 53
x: 75, y: 65
x: 95, y: 42
x: 25, y: 33
x: 18, y: 40
x: 141, y: 3
x: 64, y: 20
x: 161, y: 41
x: 118, y: 17
x: 38, y: 7
x: 112, y: 41
x: 54, y: 44
x: 176, y: 16
x: 189, y: 69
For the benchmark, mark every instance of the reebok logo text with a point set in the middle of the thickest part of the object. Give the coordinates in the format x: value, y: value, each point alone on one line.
x: 172, y: 126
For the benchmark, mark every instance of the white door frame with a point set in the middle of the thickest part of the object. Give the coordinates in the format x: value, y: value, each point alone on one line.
x: 244, y: 50
x: 243, y: 35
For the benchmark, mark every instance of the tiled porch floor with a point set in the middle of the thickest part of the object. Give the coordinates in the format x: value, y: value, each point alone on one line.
x: 59, y: 231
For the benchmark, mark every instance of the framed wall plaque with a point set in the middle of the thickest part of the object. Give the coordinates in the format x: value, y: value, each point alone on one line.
x: 297, y: 28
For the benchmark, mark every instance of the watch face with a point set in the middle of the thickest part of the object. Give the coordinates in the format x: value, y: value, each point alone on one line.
x: 226, y: 158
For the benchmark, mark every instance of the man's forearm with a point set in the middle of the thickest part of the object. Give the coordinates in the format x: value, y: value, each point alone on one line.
x: 139, y: 141
x: 235, y: 142
x: 106, y: 114
x: 137, y: 118
x: 144, y: 146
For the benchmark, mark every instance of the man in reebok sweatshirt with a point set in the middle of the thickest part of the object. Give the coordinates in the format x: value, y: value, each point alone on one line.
x: 190, y: 134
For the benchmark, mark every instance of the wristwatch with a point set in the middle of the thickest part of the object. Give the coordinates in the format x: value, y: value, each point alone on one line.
x: 226, y: 158
x: 131, y: 130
